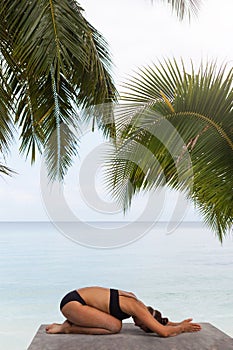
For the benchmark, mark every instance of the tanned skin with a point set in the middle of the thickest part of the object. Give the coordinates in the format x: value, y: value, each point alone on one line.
x: 94, y: 317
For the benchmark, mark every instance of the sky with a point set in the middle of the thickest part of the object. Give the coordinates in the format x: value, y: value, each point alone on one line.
x: 138, y: 34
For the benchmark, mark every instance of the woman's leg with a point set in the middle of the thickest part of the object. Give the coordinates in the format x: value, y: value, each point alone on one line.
x: 85, y: 320
x: 67, y: 328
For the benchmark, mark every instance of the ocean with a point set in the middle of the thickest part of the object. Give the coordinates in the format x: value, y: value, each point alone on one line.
x: 184, y: 273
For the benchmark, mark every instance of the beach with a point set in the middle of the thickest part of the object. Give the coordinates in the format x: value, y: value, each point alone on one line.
x: 186, y: 273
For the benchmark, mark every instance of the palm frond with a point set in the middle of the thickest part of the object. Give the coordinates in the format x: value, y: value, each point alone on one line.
x: 184, y: 120
x: 4, y: 170
x: 55, y: 60
x: 183, y: 8
x: 6, y: 122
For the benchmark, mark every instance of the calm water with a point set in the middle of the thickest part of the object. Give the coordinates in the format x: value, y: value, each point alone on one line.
x: 184, y: 274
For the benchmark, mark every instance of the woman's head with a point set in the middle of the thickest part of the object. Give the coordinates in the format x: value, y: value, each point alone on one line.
x: 156, y: 314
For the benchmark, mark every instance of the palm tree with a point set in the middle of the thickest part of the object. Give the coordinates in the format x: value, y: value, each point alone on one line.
x: 52, y: 61
x: 176, y: 128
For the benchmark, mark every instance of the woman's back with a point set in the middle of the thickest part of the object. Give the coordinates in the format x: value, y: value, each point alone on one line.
x: 97, y: 297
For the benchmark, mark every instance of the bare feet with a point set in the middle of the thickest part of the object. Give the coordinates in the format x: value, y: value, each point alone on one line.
x: 55, y: 328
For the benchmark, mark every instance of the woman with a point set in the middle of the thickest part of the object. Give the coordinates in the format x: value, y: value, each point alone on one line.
x: 98, y: 310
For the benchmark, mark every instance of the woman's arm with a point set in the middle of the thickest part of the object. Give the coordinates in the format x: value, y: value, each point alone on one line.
x: 184, y: 326
x: 173, y: 323
x: 144, y: 319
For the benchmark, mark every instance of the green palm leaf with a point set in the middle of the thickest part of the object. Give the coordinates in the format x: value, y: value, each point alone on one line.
x: 6, y: 122
x: 183, y: 8
x: 55, y: 62
x: 6, y: 170
x: 176, y: 128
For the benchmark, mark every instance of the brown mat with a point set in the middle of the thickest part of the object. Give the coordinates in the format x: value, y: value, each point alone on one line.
x: 132, y: 338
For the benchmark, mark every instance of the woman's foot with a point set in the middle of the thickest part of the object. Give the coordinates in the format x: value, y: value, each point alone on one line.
x: 55, y: 328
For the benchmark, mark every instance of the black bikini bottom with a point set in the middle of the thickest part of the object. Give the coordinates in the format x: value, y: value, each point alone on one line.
x: 72, y: 296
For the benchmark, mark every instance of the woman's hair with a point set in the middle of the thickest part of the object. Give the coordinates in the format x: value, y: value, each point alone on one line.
x: 158, y: 316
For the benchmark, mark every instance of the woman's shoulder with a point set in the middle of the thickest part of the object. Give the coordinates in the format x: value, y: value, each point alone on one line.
x: 127, y: 294
x: 92, y: 289
x: 129, y: 303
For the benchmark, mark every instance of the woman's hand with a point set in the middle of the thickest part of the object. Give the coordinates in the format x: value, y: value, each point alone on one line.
x: 188, y: 326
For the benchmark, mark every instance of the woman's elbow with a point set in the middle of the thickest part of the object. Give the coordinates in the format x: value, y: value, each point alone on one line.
x: 164, y: 334
x: 170, y: 331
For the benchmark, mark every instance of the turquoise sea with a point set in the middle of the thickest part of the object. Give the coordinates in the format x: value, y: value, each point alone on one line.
x: 186, y: 273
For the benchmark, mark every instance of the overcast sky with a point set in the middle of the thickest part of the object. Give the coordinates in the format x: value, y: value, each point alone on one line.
x: 138, y: 34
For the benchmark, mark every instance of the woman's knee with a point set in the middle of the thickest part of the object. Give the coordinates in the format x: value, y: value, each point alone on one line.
x: 116, y: 327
